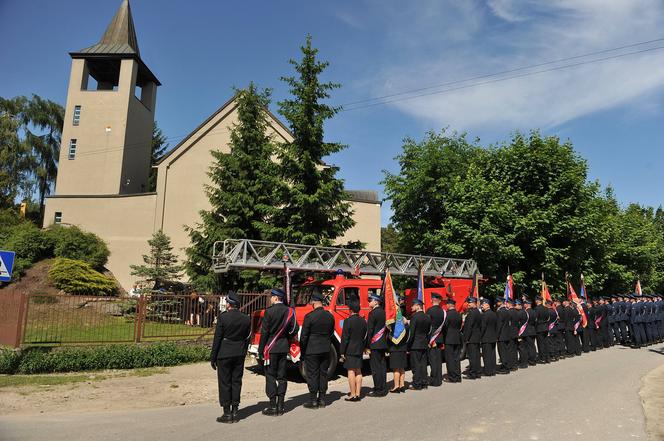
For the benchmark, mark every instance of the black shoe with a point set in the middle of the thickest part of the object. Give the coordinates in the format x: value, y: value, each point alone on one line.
x: 234, y: 409
x: 402, y: 390
x: 395, y: 391
x: 273, y: 410
x: 280, y: 406
x: 311, y: 405
x: 376, y: 394
x: 321, y: 403
x: 227, y: 417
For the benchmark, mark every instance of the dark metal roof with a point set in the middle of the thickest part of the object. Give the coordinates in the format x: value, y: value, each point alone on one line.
x: 369, y: 196
x: 120, y: 35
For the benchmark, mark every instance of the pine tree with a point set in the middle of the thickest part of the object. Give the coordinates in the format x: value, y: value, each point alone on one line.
x: 158, y: 149
x: 314, y: 211
x: 241, y: 194
x: 161, y: 265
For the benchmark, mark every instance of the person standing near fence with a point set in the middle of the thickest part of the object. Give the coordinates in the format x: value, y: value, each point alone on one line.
x: 279, y: 325
x: 229, y: 349
x: 315, y: 341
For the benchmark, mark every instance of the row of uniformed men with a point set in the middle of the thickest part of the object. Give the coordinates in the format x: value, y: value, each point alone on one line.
x: 513, y: 328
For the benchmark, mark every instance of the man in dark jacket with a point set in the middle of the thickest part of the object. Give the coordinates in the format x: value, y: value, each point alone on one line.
x: 279, y: 325
x: 542, y: 329
x: 418, y: 343
x: 521, y: 322
x: 504, y: 337
x: 562, y: 329
x: 514, y: 334
x: 377, y: 343
x: 530, y: 332
x: 229, y: 349
x: 436, y: 340
x: 452, y: 331
x: 489, y: 336
x: 315, y: 341
x: 472, y: 329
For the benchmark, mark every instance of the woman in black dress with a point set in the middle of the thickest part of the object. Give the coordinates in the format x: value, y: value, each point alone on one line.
x: 398, y: 355
x: 353, y: 337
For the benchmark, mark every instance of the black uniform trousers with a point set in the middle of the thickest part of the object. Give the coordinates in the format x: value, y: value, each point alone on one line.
x: 378, y: 370
x: 532, y: 352
x: 503, y: 353
x: 523, y: 352
x: 615, y: 333
x: 453, y: 361
x: 418, y: 364
x: 622, y: 325
x: 229, y: 378
x: 436, y: 363
x: 514, y: 351
x: 473, y: 352
x: 543, y: 346
x: 489, y: 357
x: 586, y: 339
x: 605, y: 334
x: 317, y: 366
x: 275, y: 377
x: 595, y: 340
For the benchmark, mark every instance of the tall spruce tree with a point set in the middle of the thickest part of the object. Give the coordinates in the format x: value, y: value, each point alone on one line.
x: 241, y: 194
x: 158, y: 149
x: 313, y: 207
x: 161, y: 265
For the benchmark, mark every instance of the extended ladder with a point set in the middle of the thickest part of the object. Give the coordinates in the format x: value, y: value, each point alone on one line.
x: 245, y: 253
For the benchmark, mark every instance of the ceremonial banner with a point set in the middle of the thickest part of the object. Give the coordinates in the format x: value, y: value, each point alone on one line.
x: 393, y: 315
x: 509, y: 288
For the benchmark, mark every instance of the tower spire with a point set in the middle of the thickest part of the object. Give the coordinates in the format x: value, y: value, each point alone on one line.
x: 120, y: 35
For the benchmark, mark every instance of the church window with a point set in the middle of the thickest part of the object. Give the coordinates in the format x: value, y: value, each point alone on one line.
x: 72, y: 149
x: 77, y: 115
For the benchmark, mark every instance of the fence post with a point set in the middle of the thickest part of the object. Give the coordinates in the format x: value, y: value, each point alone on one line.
x: 21, y: 318
x: 138, y: 320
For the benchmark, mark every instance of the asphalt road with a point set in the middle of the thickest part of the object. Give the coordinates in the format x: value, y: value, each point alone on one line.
x: 593, y: 397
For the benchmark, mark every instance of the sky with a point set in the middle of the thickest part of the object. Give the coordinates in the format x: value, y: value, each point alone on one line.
x: 608, y: 105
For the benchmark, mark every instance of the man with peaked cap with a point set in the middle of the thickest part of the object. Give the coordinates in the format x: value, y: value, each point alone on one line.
x: 611, y: 316
x: 604, y: 325
x: 436, y: 340
x: 530, y: 333
x: 452, y: 333
x: 623, y: 319
x: 571, y: 329
x: 229, y: 349
x: 629, y: 306
x: 418, y: 344
x: 377, y: 344
x: 504, y: 336
x: 562, y: 327
x: 472, y: 337
x: 638, y: 337
x: 315, y: 341
x: 521, y: 324
x: 514, y: 333
x: 279, y: 325
x: 593, y: 324
x: 542, y: 330
x: 554, y: 330
x: 489, y: 337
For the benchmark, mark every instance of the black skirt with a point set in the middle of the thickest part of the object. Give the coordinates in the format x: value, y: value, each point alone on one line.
x: 398, y: 360
x: 353, y: 362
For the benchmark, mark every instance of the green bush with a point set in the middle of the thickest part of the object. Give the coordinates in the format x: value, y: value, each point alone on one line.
x: 77, y: 277
x: 73, y: 243
x: 29, y: 242
x: 74, y: 359
x: 8, y: 219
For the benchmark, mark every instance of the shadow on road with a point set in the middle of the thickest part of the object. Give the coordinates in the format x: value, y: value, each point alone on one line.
x: 290, y: 404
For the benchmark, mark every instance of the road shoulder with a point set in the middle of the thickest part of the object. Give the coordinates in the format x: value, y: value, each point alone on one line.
x: 652, y: 399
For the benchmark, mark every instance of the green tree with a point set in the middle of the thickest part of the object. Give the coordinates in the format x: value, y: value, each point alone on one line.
x: 159, y: 148
x: 313, y: 207
x: 160, y: 265
x: 389, y: 239
x: 242, y: 193
x: 14, y: 160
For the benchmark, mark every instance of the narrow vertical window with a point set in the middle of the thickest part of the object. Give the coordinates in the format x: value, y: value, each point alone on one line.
x: 72, y: 149
x: 77, y: 115
x: 58, y: 217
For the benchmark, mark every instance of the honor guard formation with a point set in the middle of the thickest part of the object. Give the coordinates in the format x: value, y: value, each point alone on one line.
x: 524, y: 335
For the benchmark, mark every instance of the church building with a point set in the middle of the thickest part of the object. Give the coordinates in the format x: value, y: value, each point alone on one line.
x: 105, y: 157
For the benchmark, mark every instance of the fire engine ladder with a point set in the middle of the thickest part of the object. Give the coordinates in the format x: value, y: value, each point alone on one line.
x: 237, y: 254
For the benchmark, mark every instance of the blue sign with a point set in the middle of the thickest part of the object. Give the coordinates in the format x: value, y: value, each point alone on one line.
x: 6, y: 265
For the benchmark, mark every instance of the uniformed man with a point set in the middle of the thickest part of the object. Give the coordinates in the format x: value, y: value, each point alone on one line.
x: 570, y: 328
x: 315, y: 341
x: 436, y: 340
x: 612, y: 316
x: 623, y: 319
x: 377, y: 344
x: 521, y: 318
x: 279, y: 325
x: 229, y: 349
x: 593, y: 324
x: 504, y: 336
x: 514, y: 333
x: 472, y: 329
x: 530, y: 334
x: 452, y: 332
x: 604, y: 323
x: 562, y: 328
x: 554, y: 331
x: 418, y: 344
x: 542, y: 330
x: 488, y: 338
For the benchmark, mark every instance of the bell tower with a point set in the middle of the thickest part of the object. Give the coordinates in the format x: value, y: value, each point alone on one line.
x: 109, y: 116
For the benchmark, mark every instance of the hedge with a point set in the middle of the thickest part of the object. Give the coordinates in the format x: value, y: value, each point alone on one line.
x: 74, y: 243
x: 75, y: 359
x: 77, y: 277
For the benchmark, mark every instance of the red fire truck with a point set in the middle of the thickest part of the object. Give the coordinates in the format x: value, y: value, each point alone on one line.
x: 449, y: 277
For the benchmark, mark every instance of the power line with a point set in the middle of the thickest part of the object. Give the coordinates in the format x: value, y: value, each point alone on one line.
x: 567, y: 66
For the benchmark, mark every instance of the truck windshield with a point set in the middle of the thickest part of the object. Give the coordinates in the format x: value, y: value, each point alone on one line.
x: 304, y: 294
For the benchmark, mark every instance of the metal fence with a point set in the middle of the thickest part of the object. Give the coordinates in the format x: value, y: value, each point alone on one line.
x: 38, y: 319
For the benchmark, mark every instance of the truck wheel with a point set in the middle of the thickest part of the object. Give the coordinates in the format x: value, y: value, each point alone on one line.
x: 334, y: 359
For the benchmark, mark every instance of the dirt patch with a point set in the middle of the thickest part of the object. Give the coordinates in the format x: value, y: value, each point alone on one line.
x: 124, y: 390
x: 35, y: 280
x: 652, y: 398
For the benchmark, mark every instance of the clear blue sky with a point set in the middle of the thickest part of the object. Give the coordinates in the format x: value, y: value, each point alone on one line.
x: 610, y: 110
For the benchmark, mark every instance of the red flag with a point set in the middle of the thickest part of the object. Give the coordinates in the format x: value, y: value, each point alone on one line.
x: 546, y: 295
x: 389, y: 297
x: 637, y: 288
x: 577, y: 302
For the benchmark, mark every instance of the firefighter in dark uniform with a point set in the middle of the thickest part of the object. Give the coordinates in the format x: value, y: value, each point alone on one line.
x: 554, y: 331
x: 503, y: 330
x: 436, y: 340
x: 542, y: 329
x: 229, y: 349
x: 279, y: 325
x: 514, y: 334
x: 452, y: 332
x: 418, y: 343
x: 585, y: 333
x: 353, y: 338
x: 604, y: 332
x: 562, y: 326
x: 315, y: 341
x: 488, y: 338
x: 530, y: 332
x: 521, y: 321
x: 377, y: 344
x: 472, y: 328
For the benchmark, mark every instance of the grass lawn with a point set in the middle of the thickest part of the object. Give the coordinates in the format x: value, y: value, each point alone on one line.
x: 58, y: 379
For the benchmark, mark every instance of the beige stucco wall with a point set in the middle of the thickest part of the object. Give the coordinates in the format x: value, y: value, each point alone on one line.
x: 124, y: 222
x: 367, y: 226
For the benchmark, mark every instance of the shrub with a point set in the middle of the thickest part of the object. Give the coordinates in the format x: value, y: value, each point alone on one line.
x: 8, y: 219
x: 73, y: 243
x: 77, y: 277
x: 72, y: 359
x: 29, y: 242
